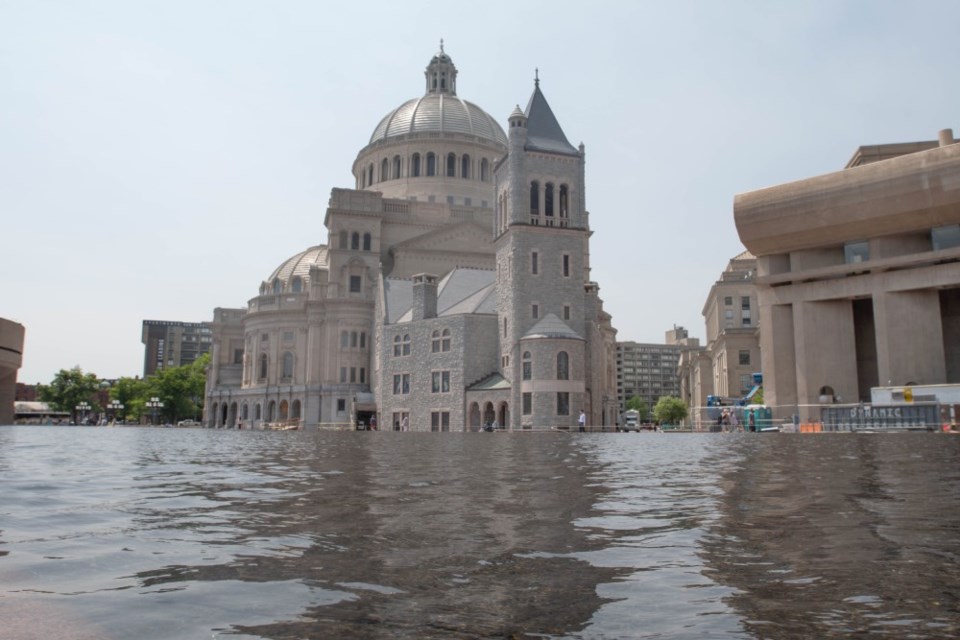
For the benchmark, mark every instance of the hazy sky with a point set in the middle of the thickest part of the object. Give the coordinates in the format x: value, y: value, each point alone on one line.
x: 160, y: 159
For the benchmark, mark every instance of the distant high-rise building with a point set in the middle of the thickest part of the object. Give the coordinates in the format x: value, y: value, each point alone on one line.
x: 647, y: 371
x: 173, y: 344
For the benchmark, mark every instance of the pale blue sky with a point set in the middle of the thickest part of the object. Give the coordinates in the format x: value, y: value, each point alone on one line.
x: 160, y: 159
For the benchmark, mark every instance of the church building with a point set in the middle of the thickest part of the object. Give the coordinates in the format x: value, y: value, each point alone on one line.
x: 453, y: 291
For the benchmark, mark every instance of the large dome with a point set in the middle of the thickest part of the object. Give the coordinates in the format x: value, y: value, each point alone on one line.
x: 440, y: 113
x: 439, y: 110
x: 297, y: 266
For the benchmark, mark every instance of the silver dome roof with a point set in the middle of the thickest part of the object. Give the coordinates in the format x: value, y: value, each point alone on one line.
x: 439, y: 112
x: 299, y: 265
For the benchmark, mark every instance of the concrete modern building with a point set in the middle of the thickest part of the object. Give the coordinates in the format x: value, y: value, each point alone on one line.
x: 858, y: 275
x: 11, y: 358
x: 648, y: 371
x: 452, y: 290
x: 173, y: 344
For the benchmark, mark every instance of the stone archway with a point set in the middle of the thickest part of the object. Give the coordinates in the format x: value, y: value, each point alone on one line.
x: 503, y: 415
x: 489, y: 415
x: 474, y: 421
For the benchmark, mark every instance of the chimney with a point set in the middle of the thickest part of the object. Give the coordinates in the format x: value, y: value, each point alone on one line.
x: 424, y: 296
x: 946, y: 137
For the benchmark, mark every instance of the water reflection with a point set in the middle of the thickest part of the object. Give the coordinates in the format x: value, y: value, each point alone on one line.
x: 153, y: 533
x: 841, y: 535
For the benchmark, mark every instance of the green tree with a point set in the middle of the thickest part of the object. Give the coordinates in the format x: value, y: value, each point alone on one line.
x: 68, y: 388
x: 670, y: 410
x: 638, y: 405
x: 132, y: 394
x: 180, y: 389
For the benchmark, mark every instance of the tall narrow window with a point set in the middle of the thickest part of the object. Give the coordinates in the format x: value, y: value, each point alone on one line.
x: 415, y: 165
x: 396, y: 167
x: 384, y: 170
x: 263, y: 366
x: 344, y: 339
x: 527, y: 365
x: 445, y: 340
x: 563, y: 366
x: 366, y: 242
x: 431, y: 164
x: 288, y: 365
x: 435, y: 342
x: 484, y: 170
x: 465, y: 167
x: 370, y: 175
x: 535, y: 198
x: 355, y: 241
x: 534, y: 263
x: 356, y: 284
x: 563, y: 403
x: 566, y: 312
x: 548, y: 200
x: 296, y: 285
x: 343, y: 239
x: 406, y: 344
x: 451, y: 165
x: 527, y: 403
x: 535, y: 311
x: 564, y: 200
x: 396, y: 346
x: 566, y: 265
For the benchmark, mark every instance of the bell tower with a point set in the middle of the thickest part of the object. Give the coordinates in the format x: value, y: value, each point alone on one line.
x: 542, y: 234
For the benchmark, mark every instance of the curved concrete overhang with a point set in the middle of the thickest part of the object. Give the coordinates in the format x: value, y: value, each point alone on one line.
x: 11, y: 346
x: 910, y: 193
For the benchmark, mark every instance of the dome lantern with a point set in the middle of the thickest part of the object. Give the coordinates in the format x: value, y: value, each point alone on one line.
x: 441, y: 73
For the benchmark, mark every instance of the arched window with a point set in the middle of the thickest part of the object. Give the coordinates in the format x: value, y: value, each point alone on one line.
x: 484, y: 170
x: 257, y: 412
x: 534, y: 198
x: 415, y: 165
x: 287, y: 365
x: 564, y: 200
x: 295, y: 411
x: 563, y: 366
x: 355, y: 241
x: 343, y: 239
x: 435, y: 342
x: 548, y: 199
x: 396, y: 167
x: 465, y: 166
x: 431, y: 164
x: 384, y: 170
x: 406, y: 344
x: 245, y: 412
x: 445, y: 342
x: 370, y: 175
x: 271, y: 410
x: 296, y: 285
x: 354, y: 339
x: 451, y: 165
x: 366, y: 242
x: 276, y: 285
x: 527, y: 364
x: 263, y: 366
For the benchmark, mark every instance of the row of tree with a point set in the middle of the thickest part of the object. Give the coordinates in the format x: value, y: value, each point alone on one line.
x: 179, y: 389
x: 668, y: 410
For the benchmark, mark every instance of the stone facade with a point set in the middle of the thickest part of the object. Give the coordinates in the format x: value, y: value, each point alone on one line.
x: 858, y: 276
x: 398, y: 315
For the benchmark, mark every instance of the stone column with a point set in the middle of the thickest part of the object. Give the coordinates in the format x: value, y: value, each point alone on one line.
x: 824, y: 338
x: 909, y: 337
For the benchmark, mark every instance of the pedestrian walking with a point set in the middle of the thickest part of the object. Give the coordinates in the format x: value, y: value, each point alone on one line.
x: 582, y: 421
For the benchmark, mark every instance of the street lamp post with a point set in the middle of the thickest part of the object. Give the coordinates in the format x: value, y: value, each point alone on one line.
x: 82, y: 409
x: 154, y: 405
x: 116, y: 407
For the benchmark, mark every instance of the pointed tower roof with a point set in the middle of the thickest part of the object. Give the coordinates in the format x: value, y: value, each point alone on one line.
x: 543, y: 130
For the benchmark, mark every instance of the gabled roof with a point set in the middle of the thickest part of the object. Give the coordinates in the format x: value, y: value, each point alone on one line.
x: 461, y: 291
x: 543, y: 130
x: 493, y: 381
x: 551, y: 327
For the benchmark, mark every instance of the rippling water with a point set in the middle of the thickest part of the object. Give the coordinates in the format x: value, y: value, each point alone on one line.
x: 114, y: 533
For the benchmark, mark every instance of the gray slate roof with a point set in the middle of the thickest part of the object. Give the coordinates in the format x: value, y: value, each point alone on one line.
x: 543, y: 130
x: 551, y: 327
x: 459, y: 292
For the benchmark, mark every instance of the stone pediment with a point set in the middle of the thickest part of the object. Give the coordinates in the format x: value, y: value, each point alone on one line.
x: 466, y: 237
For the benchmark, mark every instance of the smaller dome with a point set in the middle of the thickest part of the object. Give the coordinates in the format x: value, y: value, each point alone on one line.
x: 299, y: 266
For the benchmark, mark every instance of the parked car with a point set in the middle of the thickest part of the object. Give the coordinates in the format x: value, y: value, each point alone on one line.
x: 189, y: 423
